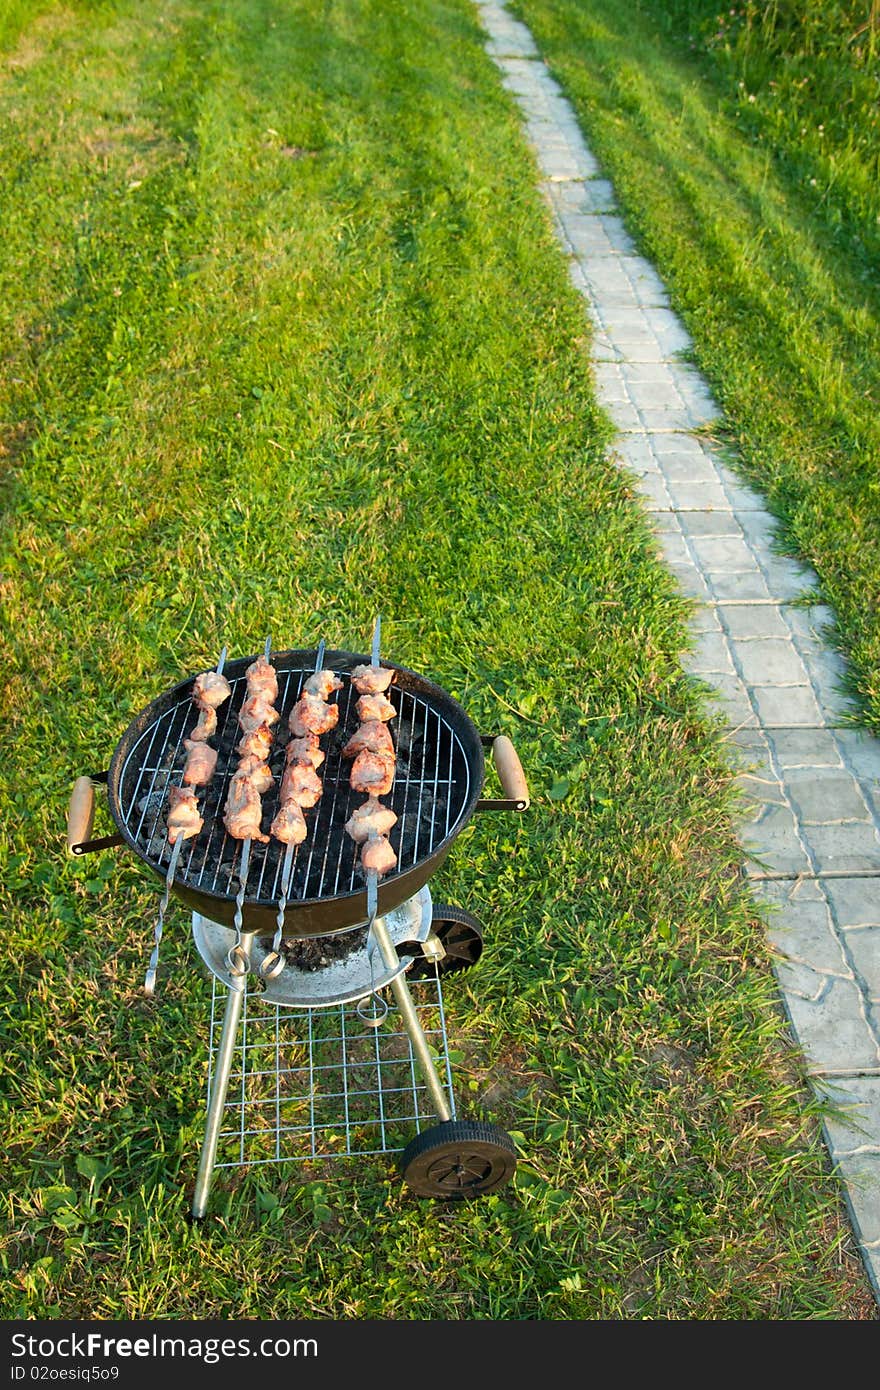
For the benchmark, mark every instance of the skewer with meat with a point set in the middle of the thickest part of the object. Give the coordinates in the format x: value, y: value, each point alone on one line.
x: 371, y: 748
x: 301, y: 787
x: 210, y: 689
x: 242, y: 812
x: 184, y: 819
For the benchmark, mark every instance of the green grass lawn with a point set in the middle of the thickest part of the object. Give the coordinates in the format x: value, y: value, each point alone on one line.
x: 742, y: 144
x: 287, y: 338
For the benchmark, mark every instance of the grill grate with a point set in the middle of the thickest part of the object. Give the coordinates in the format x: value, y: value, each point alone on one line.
x: 431, y: 788
x: 317, y: 1083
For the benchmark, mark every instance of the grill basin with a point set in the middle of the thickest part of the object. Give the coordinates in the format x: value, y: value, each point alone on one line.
x: 439, y: 776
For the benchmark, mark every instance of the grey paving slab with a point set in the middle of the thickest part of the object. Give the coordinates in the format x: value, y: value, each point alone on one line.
x: 808, y: 811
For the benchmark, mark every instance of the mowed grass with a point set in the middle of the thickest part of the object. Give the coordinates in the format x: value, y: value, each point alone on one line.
x: 288, y: 341
x: 743, y: 150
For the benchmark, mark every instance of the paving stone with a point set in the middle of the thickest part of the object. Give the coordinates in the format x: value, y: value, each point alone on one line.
x: 723, y: 554
x: 744, y: 586
x: 584, y: 195
x: 748, y: 622
x: 832, y: 1030
x: 786, y: 579
x: 664, y: 524
x: 826, y: 796
x: 805, y: 748
x: 862, y: 753
x: 674, y: 549
x: 769, y: 661
x: 863, y: 945
x: 827, y: 671
x: 687, y: 468
x: 710, y: 524
x: 710, y: 654
x: 689, y: 579
x: 862, y: 1178
x: 698, y: 497
x: 728, y: 698
x: 750, y: 748
x: 855, y: 902
x: 772, y: 845
x: 786, y: 706
x: 845, y: 848
x: 854, y: 1126
x: 653, y: 490
x: 635, y: 450
x: 704, y: 618
x: 760, y: 529
x: 813, y: 623
x: 756, y: 793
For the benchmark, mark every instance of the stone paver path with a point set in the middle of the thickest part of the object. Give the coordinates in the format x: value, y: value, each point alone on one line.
x: 811, y: 833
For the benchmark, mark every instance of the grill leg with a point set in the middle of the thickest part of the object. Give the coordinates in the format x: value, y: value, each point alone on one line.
x: 223, y: 1067
x: 415, y: 1032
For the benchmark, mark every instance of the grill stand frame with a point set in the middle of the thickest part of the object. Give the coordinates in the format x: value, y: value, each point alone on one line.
x: 441, y: 1096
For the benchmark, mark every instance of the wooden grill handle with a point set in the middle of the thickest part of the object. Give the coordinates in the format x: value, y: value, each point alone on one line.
x: 510, y: 775
x: 81, y: 813
x: 510, y: 772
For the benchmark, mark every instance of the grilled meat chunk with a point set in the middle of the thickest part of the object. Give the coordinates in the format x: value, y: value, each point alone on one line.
x: 184, y: 820
x: 262, y: 679
x: 372, y: 773
x: 322, y: 684
x: 305, y: 750
x: 210, y: 689
x: 255, y: 711
x: 377, y: 856
x: 301, y: 784
x: 258, y: 743
x: 370, y: 707
x: 311, y: 715
x: 254, y: 770
x: 370, y: 819
x: 371, y: 680
x: 206, y: 726
x: 289, y: 825
x: 243, y: 811
x: 374, y: 736
x: 200, y: 762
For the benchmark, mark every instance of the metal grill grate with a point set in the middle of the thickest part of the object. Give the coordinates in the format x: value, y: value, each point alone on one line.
x: 431, y: 788
x: 317, y: 1083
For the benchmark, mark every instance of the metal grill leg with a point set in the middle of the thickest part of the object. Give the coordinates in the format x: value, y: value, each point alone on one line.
x: 225, y: 1054
x: 411, y: 1023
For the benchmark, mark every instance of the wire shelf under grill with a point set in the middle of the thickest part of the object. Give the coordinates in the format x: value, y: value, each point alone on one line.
x: 431, y: 789
x: 318, y: 1083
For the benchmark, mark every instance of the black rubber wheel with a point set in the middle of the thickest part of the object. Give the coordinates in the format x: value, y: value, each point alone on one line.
x: 461, y: 936
x: 458, y: 1159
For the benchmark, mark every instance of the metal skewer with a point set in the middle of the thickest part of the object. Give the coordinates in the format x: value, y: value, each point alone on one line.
x: 272, y: 963
x: 153, y: 965
x: 238, y: 961
x: 377, y: 631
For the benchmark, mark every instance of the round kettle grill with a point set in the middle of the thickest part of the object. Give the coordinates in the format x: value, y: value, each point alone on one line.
x: 376, y: 934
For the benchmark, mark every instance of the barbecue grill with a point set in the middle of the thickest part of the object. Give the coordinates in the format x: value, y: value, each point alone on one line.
x: 304, y: 941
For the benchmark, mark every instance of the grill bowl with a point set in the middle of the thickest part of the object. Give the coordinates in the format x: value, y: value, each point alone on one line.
x: 440, y: 774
